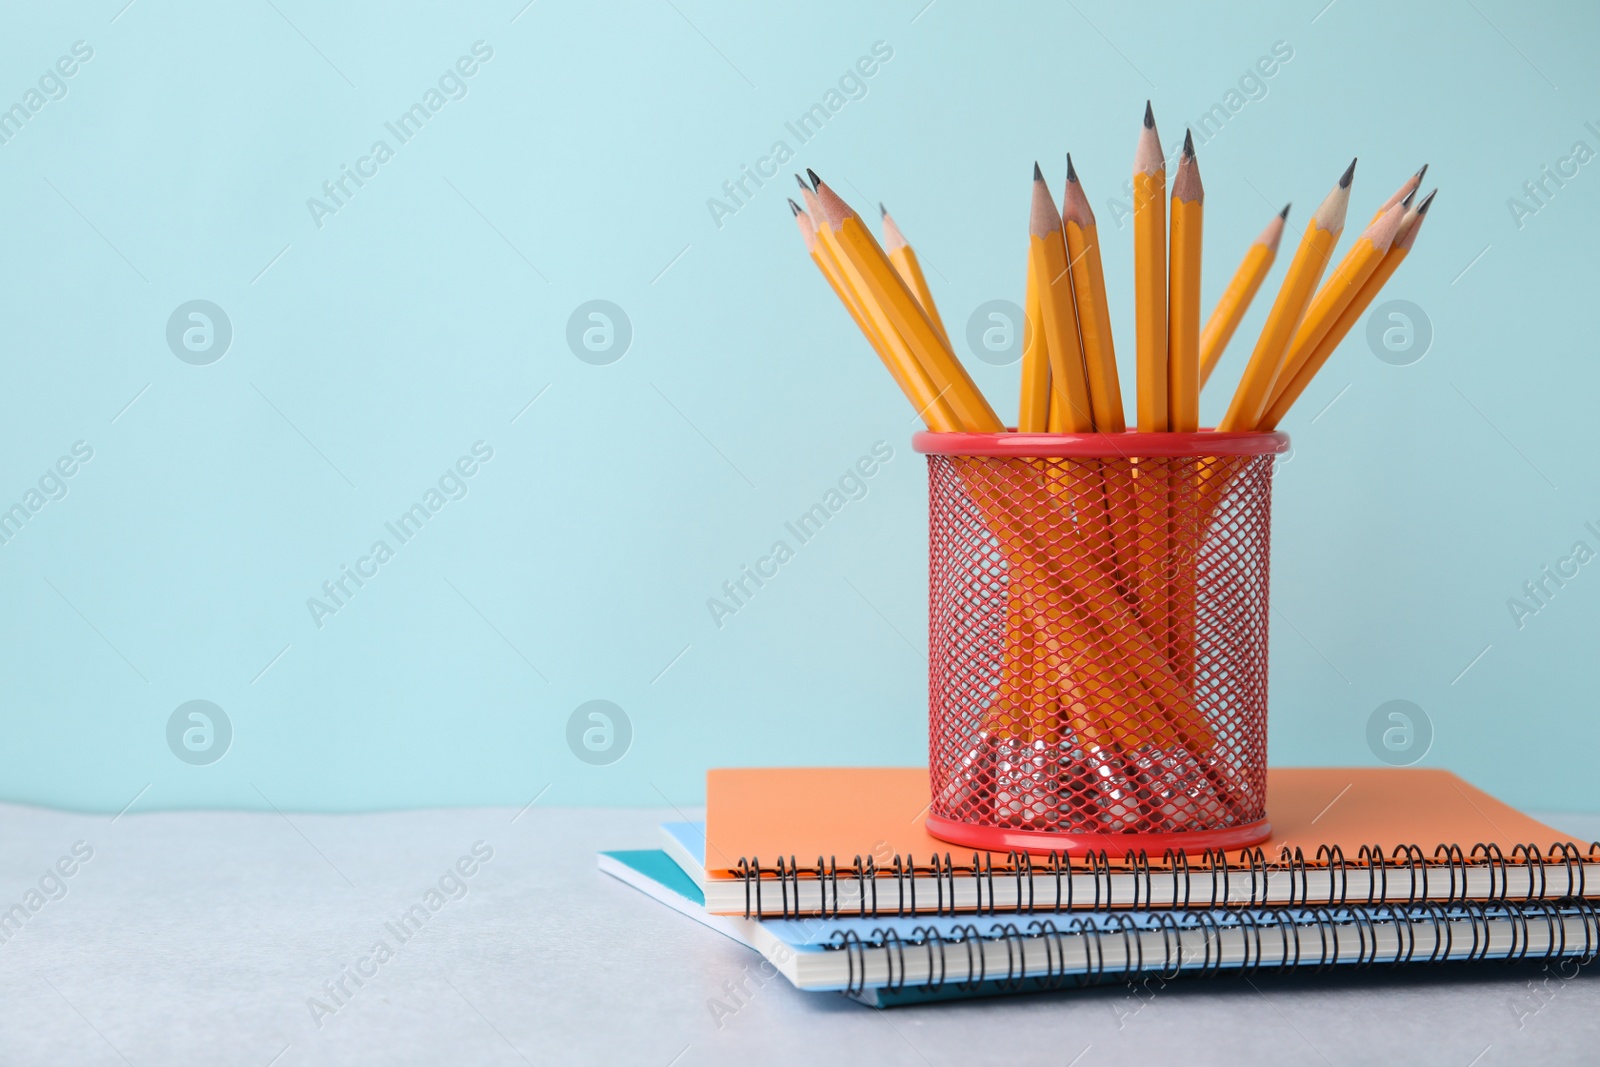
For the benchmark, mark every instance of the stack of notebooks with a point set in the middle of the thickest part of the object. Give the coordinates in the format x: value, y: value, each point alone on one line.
x: 830, y: 875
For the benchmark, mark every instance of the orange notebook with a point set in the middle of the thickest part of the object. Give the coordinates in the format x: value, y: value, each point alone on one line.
x: 802, y: 841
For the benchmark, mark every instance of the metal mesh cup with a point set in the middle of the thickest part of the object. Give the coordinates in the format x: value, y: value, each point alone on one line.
x: 1097, y: 630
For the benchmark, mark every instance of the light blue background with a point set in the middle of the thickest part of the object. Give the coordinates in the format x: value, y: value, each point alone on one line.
x: 428, y: 312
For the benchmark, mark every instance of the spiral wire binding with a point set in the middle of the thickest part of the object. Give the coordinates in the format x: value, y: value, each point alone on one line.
x: 1177, y: 861
x: 1529, y: 854
x: 1258, y: 875
x: 783, y: 887
x: 934, y: 940
x: 1173, y: 949
x: 1091, y: 930
x: 1139, y: 864
x: 854, y: 954
x: 896, y: 953
x: 1296, y: 861
x: 1569, y: 854
x: 749, y: 872
x: 1211, y: 932
x: 1414, y: 856
x: 900, y: 888
x: 1454, y: 860
x: 1327, y: 857
x: 1558, y: 873
x: 1491, y: 858
x: 1296, y: 948
x: 1125, y: 924
x: 1016, y: 960
x: 1216, y: 861
x: 969, y: 936
x: 1367, y: 931
x: 1245, y: 922
x: 1024, y: 869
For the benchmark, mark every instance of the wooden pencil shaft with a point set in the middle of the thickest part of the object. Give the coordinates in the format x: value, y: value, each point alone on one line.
x: 1094, y: 312
x: 1183, y: 300
x: 882, y: 286
x: 1342, y: 286
x: 1290, y: 391
x: 1150, y: 298
x: 1047, y: 262
x: 1238, y: 296
x: 1033, y: 414
x: 909, y: 267
x: 1294, y: 296
x: 897, y: 358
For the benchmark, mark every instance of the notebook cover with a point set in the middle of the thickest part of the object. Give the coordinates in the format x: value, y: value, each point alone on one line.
x: 685, y: 843
x: 1346, y: 935
x: 878, y: 812
x: 658, y: 876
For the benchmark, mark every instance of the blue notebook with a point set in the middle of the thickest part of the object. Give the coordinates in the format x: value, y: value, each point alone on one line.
x: 887, y: 961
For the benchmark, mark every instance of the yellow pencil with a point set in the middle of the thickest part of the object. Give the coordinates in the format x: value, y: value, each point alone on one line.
x: 1151, y: 544
x: 1094, y: 313
x: 897, y: 359
x: 1150, y: 275
x: 1047, y: 264
x: 882, y: 286
x: 1340, y: 289
x: 1033, y: 406
x: 1057, y: 417
x: 1299, y: 285
x: 1236, y: 298
x: 1099, y: 363
x: 905, y: 262
x: 1402, y: 195
x: 1290, y: 391
x: 1183, y: 295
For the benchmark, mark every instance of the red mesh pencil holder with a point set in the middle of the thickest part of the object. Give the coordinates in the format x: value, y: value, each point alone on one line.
x: 1097, y: 630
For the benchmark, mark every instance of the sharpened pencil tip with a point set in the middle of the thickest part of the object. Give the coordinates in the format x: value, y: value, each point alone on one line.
x: 802, y: 183
x: 816, y: 182
x: 1412, y: 195
x: 1072, y: 174
x: 1149, y: 117
x: 1422, y: 208
x: 1284, y: 214
x: 882, y: 210
x: 1421, y: 172
x: 1188, y: 144
x: 794, y: 207
x: 1038, y: 175
x: 1349, y: 174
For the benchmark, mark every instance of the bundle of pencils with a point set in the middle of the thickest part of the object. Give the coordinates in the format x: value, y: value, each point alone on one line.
x: 1099, y: 642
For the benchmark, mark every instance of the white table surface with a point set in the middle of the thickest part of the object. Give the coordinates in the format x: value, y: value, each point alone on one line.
x: 200, y: 937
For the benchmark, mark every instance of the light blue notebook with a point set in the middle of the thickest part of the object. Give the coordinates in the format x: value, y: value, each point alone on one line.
x: 654, y: 873
x: 685, y: 842
x: 888, y: 961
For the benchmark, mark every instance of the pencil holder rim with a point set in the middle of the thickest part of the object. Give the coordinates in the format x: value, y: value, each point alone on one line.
x: 1011, y: 839
x: 1012, y: 444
